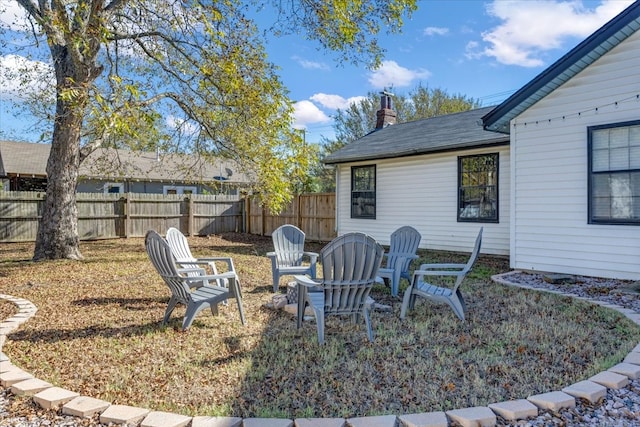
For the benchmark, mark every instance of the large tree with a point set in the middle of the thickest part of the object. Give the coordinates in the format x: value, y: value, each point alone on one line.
x: 122, y: 65
x: 359, y: 119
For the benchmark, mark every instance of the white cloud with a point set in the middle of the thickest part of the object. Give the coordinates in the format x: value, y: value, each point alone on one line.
x: 335, y: 102
x: 435, y: 31
x: 310, y: 65
x: 12, y: 15
x: 305, y: 113
x: 21, y: 77
x: 390, y: 74
x: 185, y: 127
x: 533, y: 27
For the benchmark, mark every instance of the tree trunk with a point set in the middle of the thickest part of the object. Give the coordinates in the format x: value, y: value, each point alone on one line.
x: 58, y: 227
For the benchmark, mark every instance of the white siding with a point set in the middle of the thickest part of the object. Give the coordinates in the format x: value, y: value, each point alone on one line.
x: 421, y: 191
x: 549, y: 228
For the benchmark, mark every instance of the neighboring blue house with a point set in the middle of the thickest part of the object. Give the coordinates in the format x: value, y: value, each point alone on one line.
x: 23, y: 168
x: 552, y: 173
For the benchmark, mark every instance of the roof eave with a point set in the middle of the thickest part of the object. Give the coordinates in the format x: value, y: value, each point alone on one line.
x: 499, y: 141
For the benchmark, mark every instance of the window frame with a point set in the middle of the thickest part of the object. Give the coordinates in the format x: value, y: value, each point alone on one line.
x: 356, y: 210
x: 109, y: 185
x: 179, y: 189
x: 591, y: 218
x: 460, y: 205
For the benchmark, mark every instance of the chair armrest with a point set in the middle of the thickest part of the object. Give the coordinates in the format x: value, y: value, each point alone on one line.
x: 190, y: 262
x: 226, y: 260
x: 313, y: 256
x: 200, y: 271
x: 441, y: 266
x: 210, y: 277
x: 421, y: 273
x: 307, y: 281
x: 401, y: 254
x: 271, y: 254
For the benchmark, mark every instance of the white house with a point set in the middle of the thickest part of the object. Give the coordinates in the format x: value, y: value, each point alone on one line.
x: 431, y: 174
x: 552, y: 173
x: 575, y: 149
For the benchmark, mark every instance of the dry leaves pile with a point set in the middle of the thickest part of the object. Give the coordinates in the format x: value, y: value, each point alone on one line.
x: 98, y: 332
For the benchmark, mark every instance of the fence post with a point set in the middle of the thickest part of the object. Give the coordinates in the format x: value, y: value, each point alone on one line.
x: 246, y: 216
x: 298, y: 201
x: 127, y: 215
x: 190, y: 217
x: 263, y: 220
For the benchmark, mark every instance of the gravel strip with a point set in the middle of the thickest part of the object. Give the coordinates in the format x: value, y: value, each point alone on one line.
x: 619, y: 408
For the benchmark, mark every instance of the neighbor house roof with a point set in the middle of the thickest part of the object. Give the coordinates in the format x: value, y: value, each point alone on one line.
x: 442, y: 133
x: 579, y: 58
x: 30, y: 159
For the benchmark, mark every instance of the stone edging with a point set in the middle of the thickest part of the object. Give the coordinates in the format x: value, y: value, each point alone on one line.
x: 48, y: 396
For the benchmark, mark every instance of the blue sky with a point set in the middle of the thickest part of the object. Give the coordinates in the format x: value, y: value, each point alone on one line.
x: 482, y: 49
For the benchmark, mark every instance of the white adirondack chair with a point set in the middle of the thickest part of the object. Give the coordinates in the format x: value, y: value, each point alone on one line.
x: 402, y: 250
x: 180, y: 248
x: 349, y: 266
x: 420, y: 287
x: 180, y: 282
x: 288, y: 256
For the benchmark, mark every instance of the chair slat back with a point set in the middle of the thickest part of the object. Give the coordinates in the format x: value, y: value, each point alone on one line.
x: 288, y: 244
x: 179, y: 244
x: 404, y: 241
x: 162, y: 259
x: 181, y: 251
x: 349, y: 264
x: 476, y: 251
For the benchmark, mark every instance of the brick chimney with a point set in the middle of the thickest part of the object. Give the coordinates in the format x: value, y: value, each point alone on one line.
x: 385, y: 115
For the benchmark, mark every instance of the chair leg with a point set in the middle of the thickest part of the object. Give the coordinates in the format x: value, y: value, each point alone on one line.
x: 302, y: 304
x: 412, y: 301
x: 234, y: 286
x: 406, y: 301
x: 275, y: 275
x: 395, y: 282
x: 464, y: 306
x: 320, y: 324
x: 457, y: 305
x: 214, y: 309
x: 367, y: 322
x: 192, y: 310
x: 170, y: 306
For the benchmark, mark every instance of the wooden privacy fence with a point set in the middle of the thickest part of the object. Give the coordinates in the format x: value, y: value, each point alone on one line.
x: 313, y: 213
x: 106, y: 216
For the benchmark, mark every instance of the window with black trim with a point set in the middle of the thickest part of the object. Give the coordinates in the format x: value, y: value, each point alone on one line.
x: 363, y: 192
x: 113, y: 187
x: 614, y: 173
x: 478, y: 188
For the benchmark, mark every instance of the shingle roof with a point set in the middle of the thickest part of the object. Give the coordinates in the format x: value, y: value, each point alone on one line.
x: 26, y: 158
x: 576, y: 60
x: 442, y: 133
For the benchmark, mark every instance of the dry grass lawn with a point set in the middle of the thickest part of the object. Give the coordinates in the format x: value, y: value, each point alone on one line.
x: 98, y: 332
